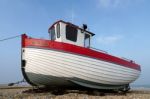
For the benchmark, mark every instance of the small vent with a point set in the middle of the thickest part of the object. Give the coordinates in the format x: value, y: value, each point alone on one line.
x: 23, y: 63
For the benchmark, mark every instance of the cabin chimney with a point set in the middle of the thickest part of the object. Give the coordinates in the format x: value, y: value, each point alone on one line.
x: 84, y: 27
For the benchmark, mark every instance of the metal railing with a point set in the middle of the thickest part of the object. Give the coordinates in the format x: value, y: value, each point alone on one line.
x: 99, y: 50
x: 129, y: 60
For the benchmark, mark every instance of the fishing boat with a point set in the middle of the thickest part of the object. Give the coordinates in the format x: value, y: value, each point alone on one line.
x: 67, y: 59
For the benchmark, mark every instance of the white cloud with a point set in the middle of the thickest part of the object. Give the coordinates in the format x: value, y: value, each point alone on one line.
x: 109, y: 40
x: 110, y: 3
x: 117, y: 3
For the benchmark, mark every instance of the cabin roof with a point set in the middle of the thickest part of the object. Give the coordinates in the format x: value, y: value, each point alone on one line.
x: 68, y: 23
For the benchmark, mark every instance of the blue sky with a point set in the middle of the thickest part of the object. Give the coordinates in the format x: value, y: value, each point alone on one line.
x: 122, y: 28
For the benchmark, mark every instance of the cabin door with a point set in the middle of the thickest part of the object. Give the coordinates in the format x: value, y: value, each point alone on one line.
x: 87, y: 40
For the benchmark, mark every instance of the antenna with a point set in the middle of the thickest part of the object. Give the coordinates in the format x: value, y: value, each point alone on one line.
x: 72, y: 14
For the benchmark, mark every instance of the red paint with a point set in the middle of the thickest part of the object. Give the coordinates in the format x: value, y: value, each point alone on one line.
x: 23, y: 38
x: 31, y: 42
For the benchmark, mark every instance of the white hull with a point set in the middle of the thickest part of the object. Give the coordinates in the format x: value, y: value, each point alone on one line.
x: 49, y: 67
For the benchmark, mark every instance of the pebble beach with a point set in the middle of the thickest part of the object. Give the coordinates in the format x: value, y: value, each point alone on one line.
x: 26, y: 93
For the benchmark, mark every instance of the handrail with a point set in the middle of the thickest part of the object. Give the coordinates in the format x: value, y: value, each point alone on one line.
x: 128, y: 59
x: 99, y: 50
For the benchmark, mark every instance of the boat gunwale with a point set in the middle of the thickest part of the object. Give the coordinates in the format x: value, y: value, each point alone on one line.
x: 69, y: 48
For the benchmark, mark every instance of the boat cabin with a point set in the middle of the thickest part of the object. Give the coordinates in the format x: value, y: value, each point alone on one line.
x: 67, y: 32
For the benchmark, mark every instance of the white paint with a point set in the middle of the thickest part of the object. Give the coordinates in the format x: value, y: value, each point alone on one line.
x: 80, y: 35
x: 60, y: 64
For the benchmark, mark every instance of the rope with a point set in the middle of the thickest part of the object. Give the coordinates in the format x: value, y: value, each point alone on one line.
x: 8, y: 38
x: 12, y: 37
x: 18, y: 82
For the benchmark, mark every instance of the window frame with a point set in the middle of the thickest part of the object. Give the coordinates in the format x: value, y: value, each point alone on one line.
x: 58, y: 30
x: 52, y: 30
x: 70, y: 35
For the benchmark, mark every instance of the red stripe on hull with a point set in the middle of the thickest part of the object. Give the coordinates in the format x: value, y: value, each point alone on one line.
x: 31, y: 42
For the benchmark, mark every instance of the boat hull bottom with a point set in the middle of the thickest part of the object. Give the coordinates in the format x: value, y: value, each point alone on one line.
x: 72, y: 82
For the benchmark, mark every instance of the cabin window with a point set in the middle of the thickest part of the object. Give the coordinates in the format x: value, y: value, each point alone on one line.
x: 58, y: 30
x: 87, y: 40
x: 52, y: 33
x: 71, y: 33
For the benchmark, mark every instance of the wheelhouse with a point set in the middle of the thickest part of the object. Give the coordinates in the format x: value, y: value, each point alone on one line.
x: 69, y: 33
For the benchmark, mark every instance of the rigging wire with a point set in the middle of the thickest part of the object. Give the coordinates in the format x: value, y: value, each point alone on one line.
x: 8, y: 38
